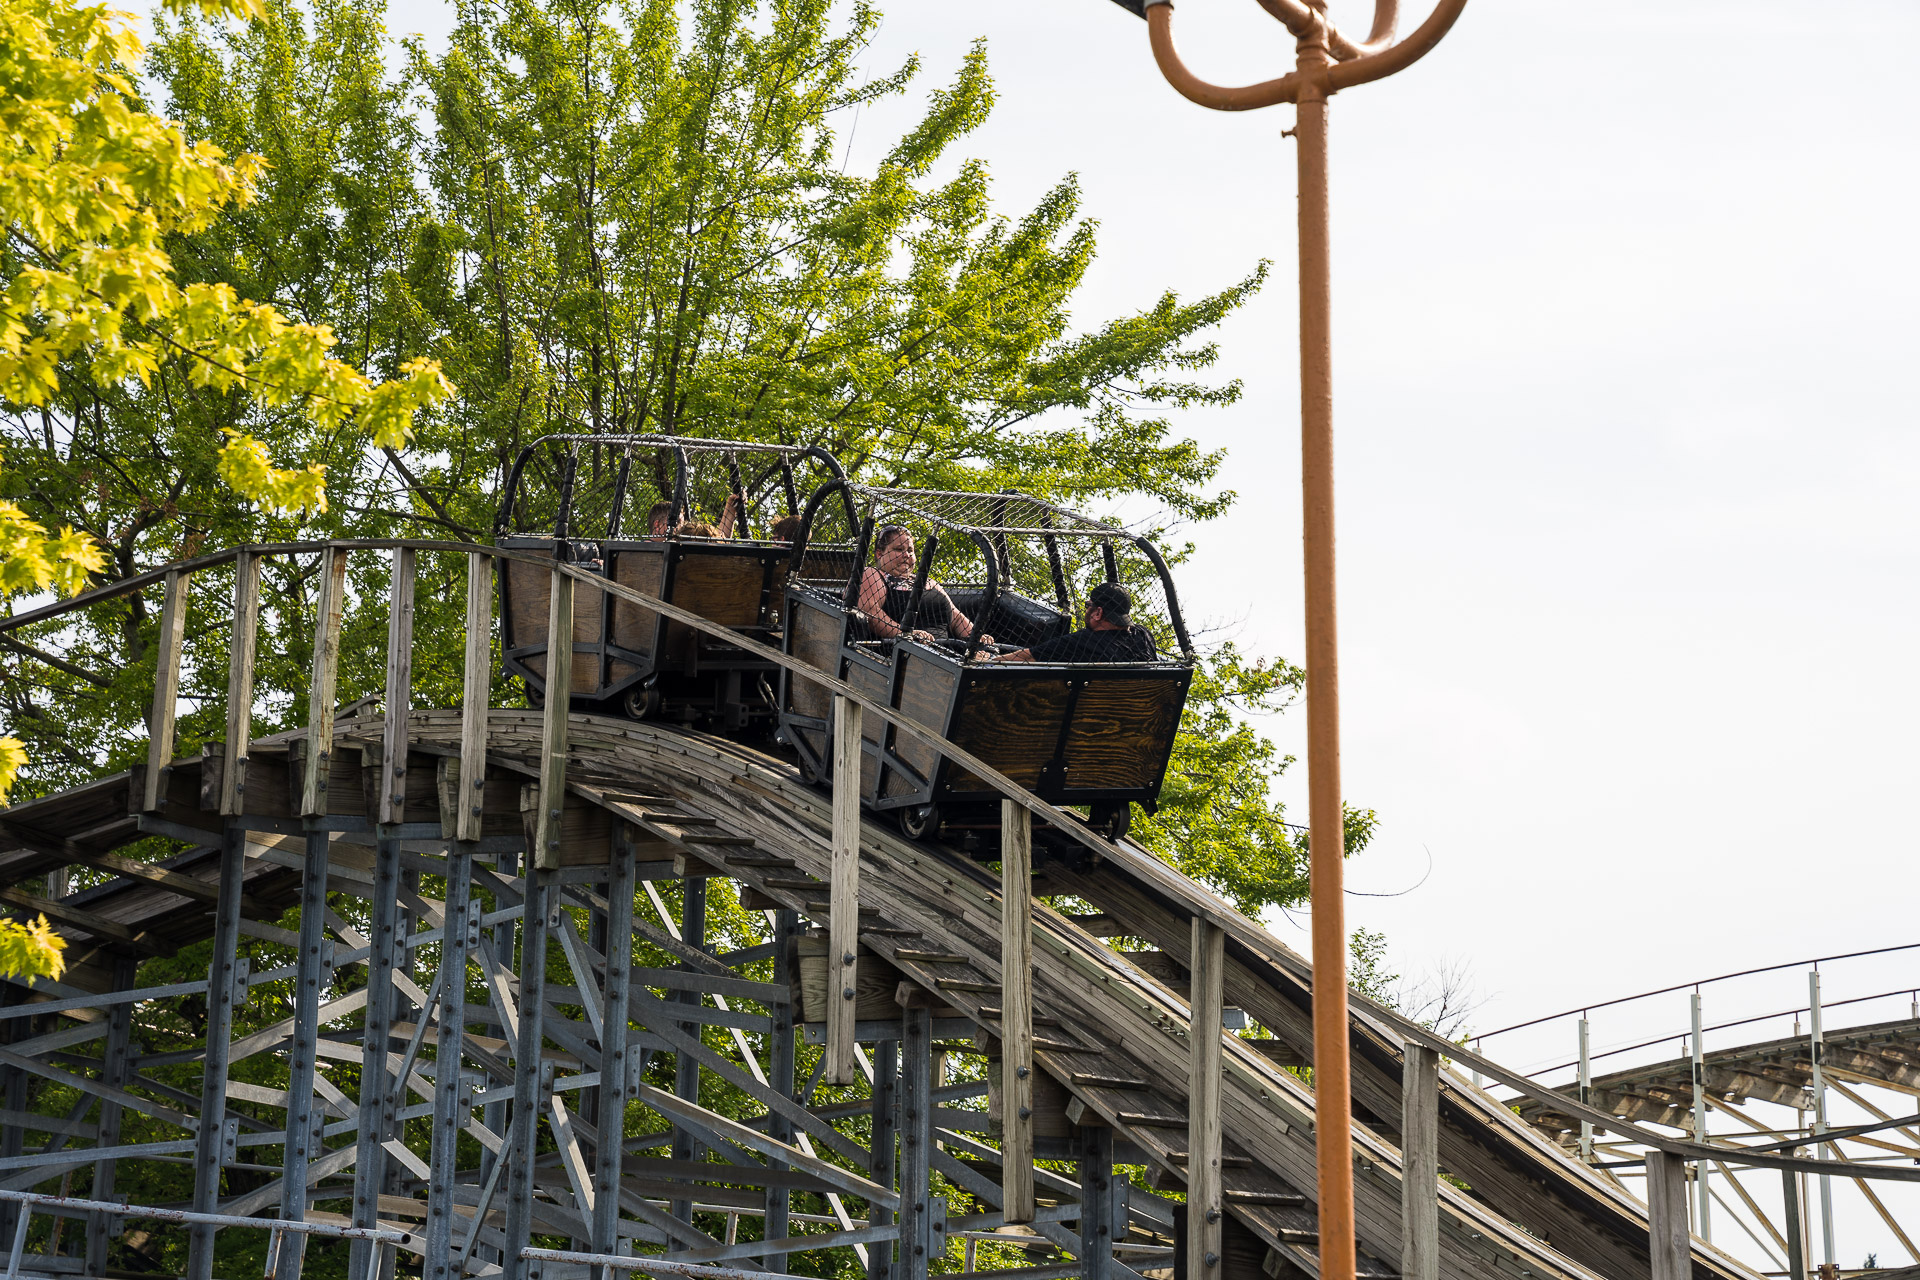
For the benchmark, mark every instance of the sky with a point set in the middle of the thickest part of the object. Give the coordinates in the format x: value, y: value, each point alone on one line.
x: 1627, y: 461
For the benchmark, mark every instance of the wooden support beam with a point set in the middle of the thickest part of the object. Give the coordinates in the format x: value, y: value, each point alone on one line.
x: 1103, y: 1216
x: 843, y: 920
x: 391, y: 795
x: 166, y: 689
x: 452, y: 1112
x: 219, y: 1034
x: 1796, y: 1227
x: 1672, y: 1255
x: 1420, y: 1165
x: 305, y: 1150
x: 613, y: 1044
x: 1207, y: 962
x: 553, y: 725
x: 86, y: 921
x: 780, y: 1072
x: 883, y: 1164
x: 1016, y: 1014
x: 329, y: 607
x: 240, y: 660
x: 918, y: 1245
x: 378, y: 1088
x: 476, y: 693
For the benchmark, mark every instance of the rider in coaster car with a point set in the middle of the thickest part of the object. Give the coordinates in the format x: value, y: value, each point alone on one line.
x: 1108, y: 637
x: 886, y: 589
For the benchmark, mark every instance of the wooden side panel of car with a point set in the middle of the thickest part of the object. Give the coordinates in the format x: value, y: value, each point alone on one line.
x: 1013, y: 723
x: 926, y: 697
x: 636, y: 627
x: 1121, y: 731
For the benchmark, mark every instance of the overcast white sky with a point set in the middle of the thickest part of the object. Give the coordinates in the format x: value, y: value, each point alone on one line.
x: 1627, y: 466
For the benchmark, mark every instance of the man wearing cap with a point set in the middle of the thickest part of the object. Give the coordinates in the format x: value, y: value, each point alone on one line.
x: 1108, y: 636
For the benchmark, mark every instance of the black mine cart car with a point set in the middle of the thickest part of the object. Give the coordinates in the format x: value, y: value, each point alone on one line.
x: 706, y: 525
x: 989, y: 577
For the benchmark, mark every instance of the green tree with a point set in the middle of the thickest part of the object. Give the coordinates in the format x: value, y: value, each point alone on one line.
x: 630, y: 218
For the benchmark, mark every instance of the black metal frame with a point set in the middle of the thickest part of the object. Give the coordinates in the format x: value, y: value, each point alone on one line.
x: 709, y: 677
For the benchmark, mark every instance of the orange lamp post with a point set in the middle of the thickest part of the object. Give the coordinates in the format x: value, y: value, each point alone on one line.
x: 1327, y: 62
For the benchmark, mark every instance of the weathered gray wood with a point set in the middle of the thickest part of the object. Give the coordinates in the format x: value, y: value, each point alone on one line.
x: 916, y: 1208
x: 1420, y: 1165
x: 392, y: 793
x: 1796, y: 1225
x: 1016, y: 1012
x: 1102, y: 1215
x: 882, y: 1163
x: 475, y: 696
x: 304, y: 1147
x: 1207, y: 962
x: 329, y: 607
x: 786, y: 924
x: 1671, y: 1254
x: 843, y: 927
x: 377, y: 1085
x: 240, y: 660
x: 613, y: 1043
x: 166, y: 688
x: 219, y: 1034
x: 553, y: 725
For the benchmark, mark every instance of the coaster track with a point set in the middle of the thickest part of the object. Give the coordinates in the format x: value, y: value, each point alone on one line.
x: 470, y: 1155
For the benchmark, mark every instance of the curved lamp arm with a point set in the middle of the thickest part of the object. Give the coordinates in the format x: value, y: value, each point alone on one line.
x: 1299, y: 19
x: 1194, y: 89
x: 1374, y: 59
x: 1377, y: 66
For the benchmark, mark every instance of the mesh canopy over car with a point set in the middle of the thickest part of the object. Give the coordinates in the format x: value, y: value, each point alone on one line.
x: 1018, y: 567
x: 607, y: 486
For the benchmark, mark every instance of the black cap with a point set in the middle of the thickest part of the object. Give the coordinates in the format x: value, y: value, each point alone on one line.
x: 1111, y: 599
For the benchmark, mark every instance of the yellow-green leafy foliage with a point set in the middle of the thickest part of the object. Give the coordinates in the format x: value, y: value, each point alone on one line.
x: 91, y: 187
x: 31, y: 950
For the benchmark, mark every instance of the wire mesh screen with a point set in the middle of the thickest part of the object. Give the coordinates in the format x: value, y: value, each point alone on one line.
x: 1045, y: 563
x: 634, y: 487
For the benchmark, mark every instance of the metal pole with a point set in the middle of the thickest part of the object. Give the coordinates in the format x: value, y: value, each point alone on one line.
x: 1703, y: 1222
x: 1332, y: 1083
x: 1816, y: 1048
x: 1586, y: 1088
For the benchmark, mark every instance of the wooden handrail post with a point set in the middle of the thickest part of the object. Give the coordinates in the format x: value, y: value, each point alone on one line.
x: 1420, y: 1165
x: 1672, y: 1254
x: 1016, y: 1011
x: 166, y: 688
x: 1204, y: 1192
x: 246, y: 631
x: 399, y: 699
x: 553, y: 731
x: 843, y: 922
x: 329, y: 608
x: 476, y: 696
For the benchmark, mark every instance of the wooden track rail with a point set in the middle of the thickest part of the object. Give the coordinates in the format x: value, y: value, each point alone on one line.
x: 492, y: 941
